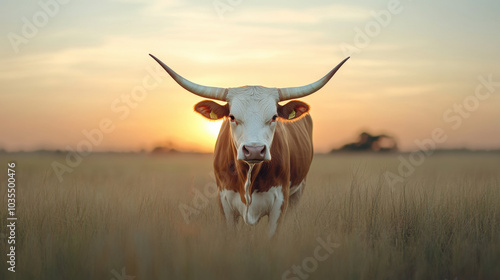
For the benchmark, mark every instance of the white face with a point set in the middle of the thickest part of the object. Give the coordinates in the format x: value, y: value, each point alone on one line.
x: 253, y: 114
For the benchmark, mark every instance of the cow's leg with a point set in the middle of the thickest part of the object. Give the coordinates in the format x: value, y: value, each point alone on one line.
x: 278, y: 210
x: 230, y: 214
x: 231, y: 219
x: 296, y: 193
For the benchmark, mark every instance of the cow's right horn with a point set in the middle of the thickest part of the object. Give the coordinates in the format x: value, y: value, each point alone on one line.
x: 203, y: 91
x: 297, y: 92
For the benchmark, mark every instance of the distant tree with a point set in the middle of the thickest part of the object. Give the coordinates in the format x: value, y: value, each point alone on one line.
x: 369, y: 143
x: 164, y: 150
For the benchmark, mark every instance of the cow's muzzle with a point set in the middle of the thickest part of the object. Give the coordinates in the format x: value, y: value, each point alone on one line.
x: 254, y: 154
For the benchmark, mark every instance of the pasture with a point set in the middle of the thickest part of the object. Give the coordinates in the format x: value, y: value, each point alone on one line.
x: 118, y: 215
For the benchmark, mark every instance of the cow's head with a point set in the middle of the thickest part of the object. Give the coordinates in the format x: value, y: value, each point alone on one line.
x: 253, y: 110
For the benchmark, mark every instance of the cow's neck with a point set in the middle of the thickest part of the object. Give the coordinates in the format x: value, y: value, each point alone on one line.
x: 247, y: 173
x: 261, y: 176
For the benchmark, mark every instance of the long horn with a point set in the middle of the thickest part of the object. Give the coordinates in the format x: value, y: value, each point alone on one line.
x: 297, y: 92
x: 203, y: 91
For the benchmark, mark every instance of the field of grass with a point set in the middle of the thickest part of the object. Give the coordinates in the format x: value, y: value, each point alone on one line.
x: 120, y: 215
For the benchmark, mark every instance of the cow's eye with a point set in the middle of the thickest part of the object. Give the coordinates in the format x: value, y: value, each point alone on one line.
x: 231, y: 117
x: 274, y: 118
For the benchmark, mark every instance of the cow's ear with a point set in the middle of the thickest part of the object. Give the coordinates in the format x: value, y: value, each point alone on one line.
x: 292, y: 110
x: 211, y: 110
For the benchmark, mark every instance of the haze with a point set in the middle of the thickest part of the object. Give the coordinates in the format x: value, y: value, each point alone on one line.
x: 427, y: 65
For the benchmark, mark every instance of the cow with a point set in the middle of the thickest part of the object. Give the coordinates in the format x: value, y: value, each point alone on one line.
x: 264, y: 149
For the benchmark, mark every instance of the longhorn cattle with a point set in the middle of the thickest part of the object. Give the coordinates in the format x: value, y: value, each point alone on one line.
x: 264, y: 149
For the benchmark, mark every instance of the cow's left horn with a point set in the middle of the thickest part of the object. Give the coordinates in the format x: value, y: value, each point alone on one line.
x: 203, y: 91
x: 297, y: 92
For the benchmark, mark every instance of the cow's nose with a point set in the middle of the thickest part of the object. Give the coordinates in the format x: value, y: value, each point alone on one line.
x: 254, y: 153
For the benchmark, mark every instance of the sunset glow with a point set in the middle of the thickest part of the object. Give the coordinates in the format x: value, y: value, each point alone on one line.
x: 410, y: 64
x: 213, y: 127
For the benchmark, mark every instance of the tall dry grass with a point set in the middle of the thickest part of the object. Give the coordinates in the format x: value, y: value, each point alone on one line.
x: 116, y: 212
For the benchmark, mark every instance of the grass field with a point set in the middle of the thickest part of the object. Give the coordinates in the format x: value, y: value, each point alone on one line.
x: 120, y: 215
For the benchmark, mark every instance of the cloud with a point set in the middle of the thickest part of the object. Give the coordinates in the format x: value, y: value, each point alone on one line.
x: 296, y: 16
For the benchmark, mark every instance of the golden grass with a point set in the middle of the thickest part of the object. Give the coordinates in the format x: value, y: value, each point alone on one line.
x: 122, y: 211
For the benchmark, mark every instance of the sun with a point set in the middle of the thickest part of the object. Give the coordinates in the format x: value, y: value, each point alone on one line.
x: 213, y: 128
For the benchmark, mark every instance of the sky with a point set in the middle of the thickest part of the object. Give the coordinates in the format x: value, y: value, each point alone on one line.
x: 74, y: 71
